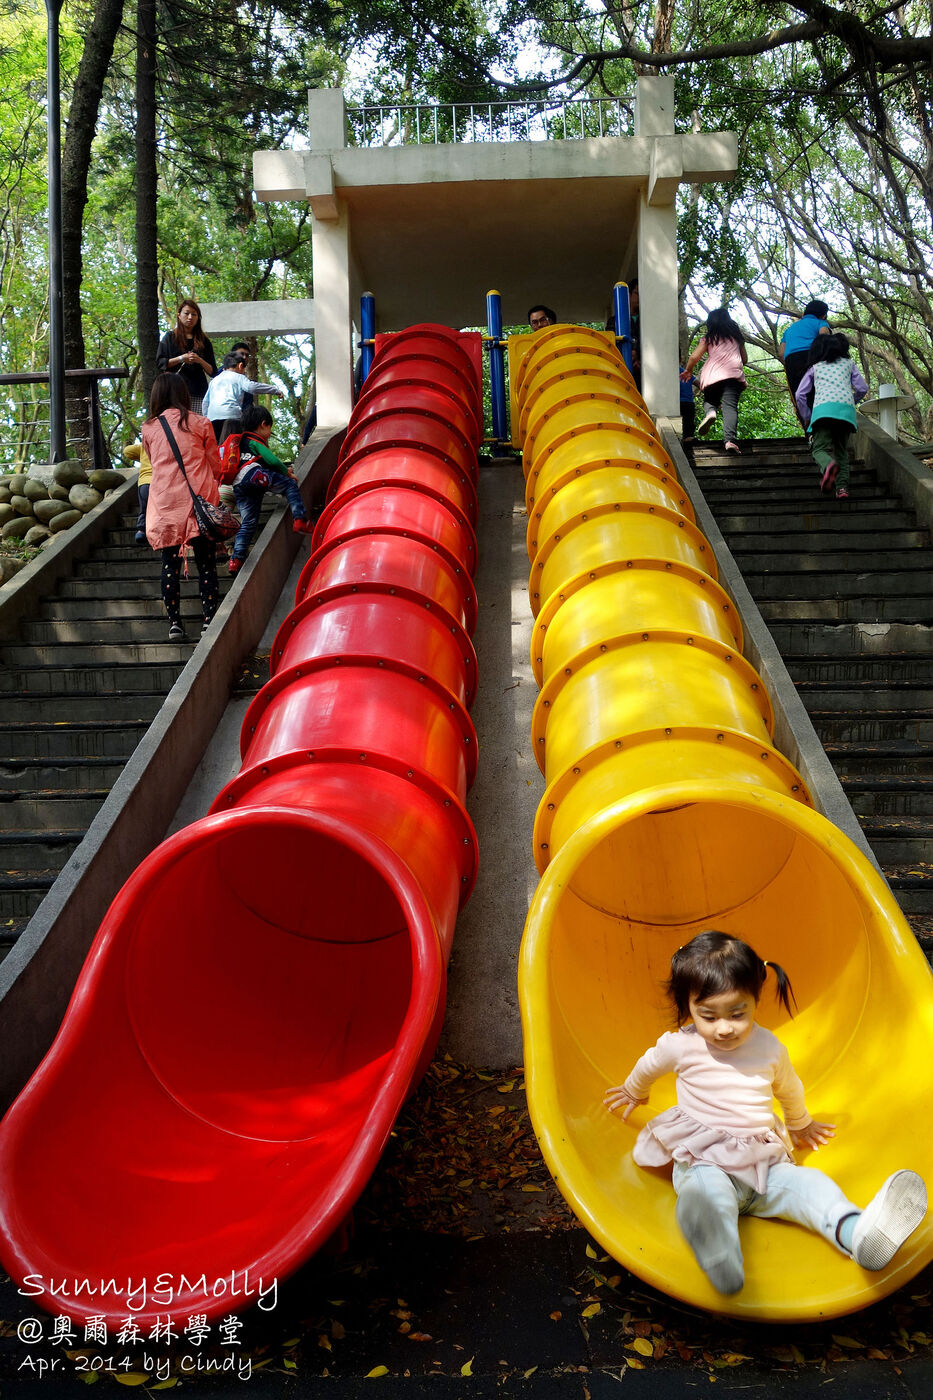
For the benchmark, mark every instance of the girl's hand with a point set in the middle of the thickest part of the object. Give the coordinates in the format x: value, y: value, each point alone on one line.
x: 814, y: 1135
x: 686, y: 376
x: 619, y: 1097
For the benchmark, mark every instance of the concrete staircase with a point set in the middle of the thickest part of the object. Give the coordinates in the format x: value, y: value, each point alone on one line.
x: 77, y: 692
x: 846, y: 588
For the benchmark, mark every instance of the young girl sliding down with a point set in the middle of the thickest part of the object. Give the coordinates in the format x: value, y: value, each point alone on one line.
x: 836, y: 387
x: 731, y: 1153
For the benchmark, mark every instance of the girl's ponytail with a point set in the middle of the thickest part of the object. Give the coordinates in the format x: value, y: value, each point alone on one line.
x: 785, y: 991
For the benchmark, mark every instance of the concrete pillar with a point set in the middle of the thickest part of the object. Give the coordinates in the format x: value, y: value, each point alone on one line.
x: 327, y: 119
x: 657, y: 289
x: 657, y: 248
x: 333, y: 317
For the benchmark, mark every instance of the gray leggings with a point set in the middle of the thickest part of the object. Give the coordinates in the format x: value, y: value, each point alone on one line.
x: 725, y: 392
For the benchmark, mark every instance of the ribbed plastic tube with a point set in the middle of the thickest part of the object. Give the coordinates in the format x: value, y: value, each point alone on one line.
x: 270, y: 983
x: 668, y: 810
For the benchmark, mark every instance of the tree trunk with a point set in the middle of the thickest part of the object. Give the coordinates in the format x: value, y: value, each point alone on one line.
x: 76, y: 161
x: 147, y: 286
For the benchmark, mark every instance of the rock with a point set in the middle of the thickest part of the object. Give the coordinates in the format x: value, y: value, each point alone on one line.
x: 36, y: 535
x: 84, y: 498
x: 6, y: 512
x: 9, y: 565
x: 34, y: 490
x: 17, y: 483
x: 64, y: 521
x: 15, y: 529
x: 69, y: 474
x: 22, y: 505
x: 47, y: 510
x: 58, y: 493
x: 5, y: 494
x: 106, y: 480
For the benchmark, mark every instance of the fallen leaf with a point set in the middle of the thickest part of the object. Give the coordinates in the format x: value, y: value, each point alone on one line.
x: 420, y: 1337
x: 165, y: 1385
x: 132, y: 1378
x: 634, y: 1364
x: 590, y: 1252
x: 376, y: 1371
x: 592, y: 1310
x: 642, y: 1346
x: 467, y: 1368
x: 846, y: 1342
x: 530, y: 1372
x: 555, y: 1316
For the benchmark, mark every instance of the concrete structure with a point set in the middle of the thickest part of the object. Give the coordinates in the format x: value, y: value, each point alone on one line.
x: 430, y: 228
x: 294, y: 316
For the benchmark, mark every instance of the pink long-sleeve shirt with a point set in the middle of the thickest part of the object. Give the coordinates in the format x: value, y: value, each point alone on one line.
x: 733, y: 1090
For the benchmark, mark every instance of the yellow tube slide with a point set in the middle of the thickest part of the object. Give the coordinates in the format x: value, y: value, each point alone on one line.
x: 668, y: 810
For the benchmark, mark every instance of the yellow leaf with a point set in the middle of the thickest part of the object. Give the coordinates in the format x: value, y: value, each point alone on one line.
x: 376, y: 1371
x: 614, y: 1281
x: 846, y: 1342
x: 292, y: 1342
x: 590, y: 1252
x: 467, y: 1368
x: 530, y: 1372
x: 132, y: 1378
x: 89, y: 1377
x: 592, y: 1310
x: 507, y: 1087
x: 532, y: 1188
x: 635, y: 1365
x: 496, y: 1110
x: 165, y: 1385
x: 733, y: 1358
x: 642, y: 1346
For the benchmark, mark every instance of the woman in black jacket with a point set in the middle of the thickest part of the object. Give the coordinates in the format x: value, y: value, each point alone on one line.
x: 187, y: 350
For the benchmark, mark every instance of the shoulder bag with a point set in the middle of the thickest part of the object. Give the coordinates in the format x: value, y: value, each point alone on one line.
x: 214, y: 522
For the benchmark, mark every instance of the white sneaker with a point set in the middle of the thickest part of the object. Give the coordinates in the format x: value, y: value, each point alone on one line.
x: 888, y: 1219
x: 707, y: 423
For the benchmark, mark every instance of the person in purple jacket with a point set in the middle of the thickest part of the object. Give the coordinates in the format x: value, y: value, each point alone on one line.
x: 836, y: 386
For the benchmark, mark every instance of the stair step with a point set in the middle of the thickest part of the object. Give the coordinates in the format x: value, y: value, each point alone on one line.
x: 40, y: 681
x: 906, y: 608
x: 832, y: 562
x: 886, y: 515
x: 109, y: 631
x: 839, y: 697
x: 93, y: 607
x: 861, y: 727
x: 22, y: 852
x: 871, y: 584
x: 889, y: 670
x: 45, y: 810
x: 817, y: 541
x: 76, y: 654
x: 109, y: 587
x: 134, y: 708
x: 802, y: 496
x: 805, y: 638
x: 21, y: 895
x: 74, y: 741
x: 33, y: 775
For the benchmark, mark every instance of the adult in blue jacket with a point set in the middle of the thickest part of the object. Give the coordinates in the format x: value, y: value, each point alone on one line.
x: 794, y: 349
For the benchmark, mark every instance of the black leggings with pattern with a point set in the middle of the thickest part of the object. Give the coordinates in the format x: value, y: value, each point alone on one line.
x: 205, y: 558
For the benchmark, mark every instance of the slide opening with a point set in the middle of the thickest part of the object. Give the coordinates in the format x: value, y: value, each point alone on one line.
x: 276, y: 958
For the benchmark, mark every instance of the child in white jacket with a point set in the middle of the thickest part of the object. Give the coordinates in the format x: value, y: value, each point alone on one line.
x: 223, y: 402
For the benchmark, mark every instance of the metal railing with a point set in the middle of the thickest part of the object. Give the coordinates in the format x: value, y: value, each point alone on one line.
x: 427, y: 123
x: 24, y: 417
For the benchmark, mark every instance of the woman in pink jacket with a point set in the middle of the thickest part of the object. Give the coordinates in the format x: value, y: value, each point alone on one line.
x: 170, y: 520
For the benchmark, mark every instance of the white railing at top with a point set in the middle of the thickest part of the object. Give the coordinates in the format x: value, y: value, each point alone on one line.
x: 424, y: 123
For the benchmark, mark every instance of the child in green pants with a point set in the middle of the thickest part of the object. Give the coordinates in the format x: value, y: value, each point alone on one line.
x: 836, y: 386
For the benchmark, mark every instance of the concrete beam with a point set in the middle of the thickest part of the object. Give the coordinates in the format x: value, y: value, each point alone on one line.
x: 709, y: 156
x: 279, y: 175
x: 293, y: 316
x: 666, y: 171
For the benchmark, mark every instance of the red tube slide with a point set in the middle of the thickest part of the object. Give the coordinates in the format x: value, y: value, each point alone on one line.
x: 269, y: 985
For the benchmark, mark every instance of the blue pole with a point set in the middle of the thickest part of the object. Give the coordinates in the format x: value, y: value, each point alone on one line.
x: 500, y: 429
x: 623, y: 317
x: 367, y: 331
